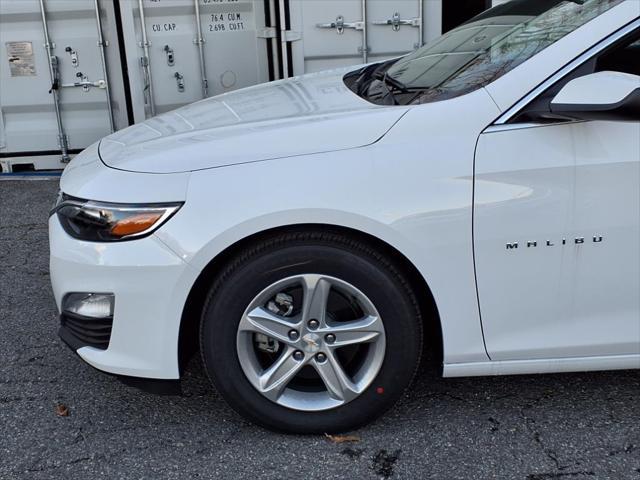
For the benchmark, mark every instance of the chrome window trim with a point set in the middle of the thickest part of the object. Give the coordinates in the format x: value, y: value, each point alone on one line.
x: 514, y: 110
x: 521, y: 126
x: 518, y: 126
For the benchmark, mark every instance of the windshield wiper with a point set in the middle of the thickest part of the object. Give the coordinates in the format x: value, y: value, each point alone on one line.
x: 363, y: 79
x: 390, y: 84
x: 390, y: 81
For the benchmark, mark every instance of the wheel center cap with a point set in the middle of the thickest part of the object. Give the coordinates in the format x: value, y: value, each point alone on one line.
x: 311, y: 342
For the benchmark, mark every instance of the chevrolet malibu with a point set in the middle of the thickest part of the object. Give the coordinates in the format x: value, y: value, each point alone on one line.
x: 476, y: 201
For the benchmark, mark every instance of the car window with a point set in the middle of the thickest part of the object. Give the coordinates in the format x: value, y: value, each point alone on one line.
x: 479, y: 51
x: 624, y: 59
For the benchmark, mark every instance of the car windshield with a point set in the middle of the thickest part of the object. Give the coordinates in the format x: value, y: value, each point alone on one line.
x: 476, y: 53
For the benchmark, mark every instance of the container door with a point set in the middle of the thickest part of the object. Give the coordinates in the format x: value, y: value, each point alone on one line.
x: 334, y: 34
x: 181, y: 51
x: 29, y: 123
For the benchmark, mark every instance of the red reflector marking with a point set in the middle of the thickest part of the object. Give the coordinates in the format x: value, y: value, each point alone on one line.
x: 379, y: 390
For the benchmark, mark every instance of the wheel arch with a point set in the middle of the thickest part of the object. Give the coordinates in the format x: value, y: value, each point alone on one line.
x: 192, y: 311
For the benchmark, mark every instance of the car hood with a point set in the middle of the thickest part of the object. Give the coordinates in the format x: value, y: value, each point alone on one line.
x: 304, y: 115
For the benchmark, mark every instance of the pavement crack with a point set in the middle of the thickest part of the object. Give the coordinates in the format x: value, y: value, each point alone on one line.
x: 630, y: 447
x: 530, y: 425
x: 554, y: 476
x: 78, y: 437
x: 454, y: 397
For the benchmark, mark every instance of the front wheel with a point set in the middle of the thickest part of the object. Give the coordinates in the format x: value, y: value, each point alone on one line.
x: 310, y: 333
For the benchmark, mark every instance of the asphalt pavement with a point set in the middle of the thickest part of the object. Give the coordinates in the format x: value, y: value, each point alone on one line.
x: 59, y: 418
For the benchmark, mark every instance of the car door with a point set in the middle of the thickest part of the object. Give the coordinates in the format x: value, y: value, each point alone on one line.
x: 556, y: 230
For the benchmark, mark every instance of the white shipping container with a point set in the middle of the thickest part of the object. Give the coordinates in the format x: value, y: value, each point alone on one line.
x: 335, y: 33
x: 28, y: 121
x: 162, y: 54
x: 188, y: 57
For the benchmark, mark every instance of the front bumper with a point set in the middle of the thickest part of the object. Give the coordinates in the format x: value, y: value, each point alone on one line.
x: 150, y: 283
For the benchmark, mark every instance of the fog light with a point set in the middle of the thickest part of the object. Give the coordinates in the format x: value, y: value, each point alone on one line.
x: 93, y: 305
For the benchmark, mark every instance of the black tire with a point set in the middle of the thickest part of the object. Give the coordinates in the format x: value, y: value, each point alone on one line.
x: 290, y: 254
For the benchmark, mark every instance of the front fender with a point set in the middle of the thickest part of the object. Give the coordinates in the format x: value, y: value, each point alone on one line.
x: 359, y: 189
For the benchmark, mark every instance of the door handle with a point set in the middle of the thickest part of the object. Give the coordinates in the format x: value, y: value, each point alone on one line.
x: 339, y: 25
x: 396, y: 21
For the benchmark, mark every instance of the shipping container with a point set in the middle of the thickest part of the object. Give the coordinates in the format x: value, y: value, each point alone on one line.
x: 180, y: 51
x: 336, y: 33
x: 75, y: 70
x: 54, y: 98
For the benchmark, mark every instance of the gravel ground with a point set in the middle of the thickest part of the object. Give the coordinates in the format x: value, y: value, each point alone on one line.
x: 579, y: 426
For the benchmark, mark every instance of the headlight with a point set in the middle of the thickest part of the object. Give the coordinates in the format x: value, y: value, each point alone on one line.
x: 111, y: 222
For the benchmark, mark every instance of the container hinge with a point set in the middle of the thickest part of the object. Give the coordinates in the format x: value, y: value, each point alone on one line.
x: 339, y: 25
x: 291, y: 36
x: 268, y: 32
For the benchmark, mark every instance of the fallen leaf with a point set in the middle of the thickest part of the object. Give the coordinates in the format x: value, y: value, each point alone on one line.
x: 342, y: 438
x: 62, y: 410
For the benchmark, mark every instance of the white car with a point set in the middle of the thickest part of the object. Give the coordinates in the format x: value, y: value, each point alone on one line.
x: 480, y: 197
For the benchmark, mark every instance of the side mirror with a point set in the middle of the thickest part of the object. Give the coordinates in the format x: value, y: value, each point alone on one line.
x: 599, y: 96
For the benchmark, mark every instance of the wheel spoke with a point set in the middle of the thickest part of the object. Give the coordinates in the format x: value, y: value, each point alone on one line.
x: 364, y: 330
x: 311, y: 334
x: 275, y: 379
x: 316, y: 295
x: 336, y: 380
x: 260, y: 320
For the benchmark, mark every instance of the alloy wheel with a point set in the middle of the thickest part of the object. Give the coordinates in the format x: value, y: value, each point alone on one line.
x: 311, y: 342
